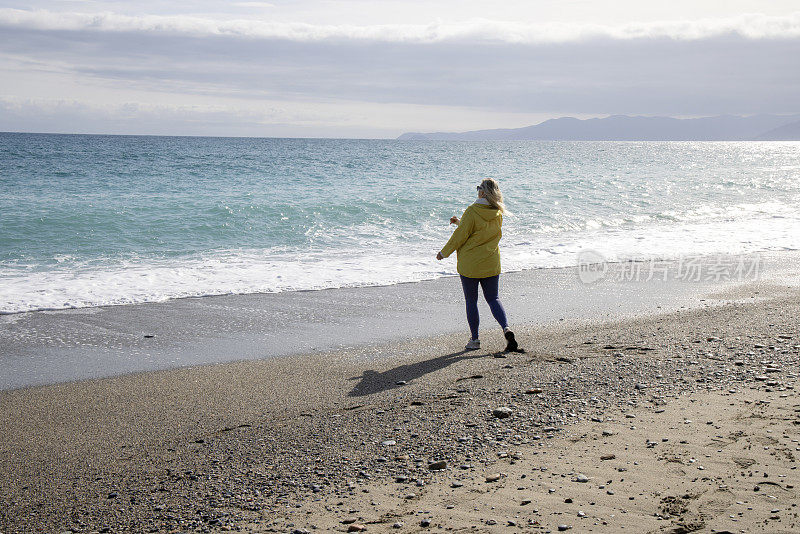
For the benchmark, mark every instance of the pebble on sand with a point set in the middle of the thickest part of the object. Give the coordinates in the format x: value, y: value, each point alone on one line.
x: 502, y: 412
x: 437, y: 466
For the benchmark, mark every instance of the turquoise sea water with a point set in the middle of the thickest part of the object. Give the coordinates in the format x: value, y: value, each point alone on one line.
x: 93, y: 220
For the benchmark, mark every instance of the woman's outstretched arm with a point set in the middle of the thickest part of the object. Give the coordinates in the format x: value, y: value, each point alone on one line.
x: 460, y: 234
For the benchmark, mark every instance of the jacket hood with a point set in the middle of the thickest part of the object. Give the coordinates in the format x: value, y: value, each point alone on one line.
x: 487, y: 213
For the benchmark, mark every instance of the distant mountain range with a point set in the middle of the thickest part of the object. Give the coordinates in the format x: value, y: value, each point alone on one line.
x: 627, y: 128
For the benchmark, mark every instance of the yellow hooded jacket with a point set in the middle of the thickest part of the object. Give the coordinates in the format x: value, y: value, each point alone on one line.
x: 476, y: 239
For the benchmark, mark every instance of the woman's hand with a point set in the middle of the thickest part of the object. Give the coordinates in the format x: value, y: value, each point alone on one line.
x: 454, y: 220
x: 439, y: 256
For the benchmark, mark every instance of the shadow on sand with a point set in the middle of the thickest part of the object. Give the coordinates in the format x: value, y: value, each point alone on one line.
x: 374, y: 382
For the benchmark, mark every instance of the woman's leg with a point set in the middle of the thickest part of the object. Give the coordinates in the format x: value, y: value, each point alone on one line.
x: 491, y: 291
x: 470, y: 286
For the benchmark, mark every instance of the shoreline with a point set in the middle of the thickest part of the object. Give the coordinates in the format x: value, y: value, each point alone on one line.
x: 613, y: 264
x: 240, y: 445
x: 39, y: 348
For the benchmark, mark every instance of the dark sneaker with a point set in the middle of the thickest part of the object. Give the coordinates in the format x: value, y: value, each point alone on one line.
x: 511, y: 343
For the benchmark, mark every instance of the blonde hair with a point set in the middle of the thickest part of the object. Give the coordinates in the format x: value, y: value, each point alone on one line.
x: 492, y: 194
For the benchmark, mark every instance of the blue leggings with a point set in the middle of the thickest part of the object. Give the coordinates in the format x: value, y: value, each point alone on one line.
x: 491, y: 288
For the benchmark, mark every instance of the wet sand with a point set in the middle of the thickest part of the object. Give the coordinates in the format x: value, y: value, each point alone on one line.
x: 62, y: 346
x: 352, y: 437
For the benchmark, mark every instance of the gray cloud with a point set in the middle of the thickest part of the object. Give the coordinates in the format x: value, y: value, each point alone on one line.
x: 69, y: 116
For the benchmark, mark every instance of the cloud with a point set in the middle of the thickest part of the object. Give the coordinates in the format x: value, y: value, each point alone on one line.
x: 253, y: 4
x: 737, y: 65
x: 750, y: 26
x: 134, y: 114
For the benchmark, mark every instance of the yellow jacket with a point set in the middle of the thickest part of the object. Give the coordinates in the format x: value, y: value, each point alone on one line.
x: 476, y: 239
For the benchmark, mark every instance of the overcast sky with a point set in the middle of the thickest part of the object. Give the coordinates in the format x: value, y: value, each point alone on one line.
x: 372, y: 68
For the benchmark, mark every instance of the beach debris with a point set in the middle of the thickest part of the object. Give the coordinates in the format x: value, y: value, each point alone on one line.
x: 562, y: 528
x: 532, y: 391
x: 399, y: 524
x: 608, y: 457
x: 425, y: 523
x: 493, y: 477
x: 581, y: 478
x: 357, y: 527
x: 401, y: 383
x: 389, y: 442
x: 473, y: 377
x: 502, y: 412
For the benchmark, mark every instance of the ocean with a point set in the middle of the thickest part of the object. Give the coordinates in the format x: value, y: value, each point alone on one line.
x: 91, y: 220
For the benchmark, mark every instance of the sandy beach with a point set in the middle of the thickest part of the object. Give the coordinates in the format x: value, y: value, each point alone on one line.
x: 679, y: 422
x: 399, y: 267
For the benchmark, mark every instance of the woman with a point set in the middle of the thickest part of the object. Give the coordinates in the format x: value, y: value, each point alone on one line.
x: 476, y: 241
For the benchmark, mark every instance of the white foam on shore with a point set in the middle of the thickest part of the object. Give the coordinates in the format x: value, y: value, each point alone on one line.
x: 72, y: 285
